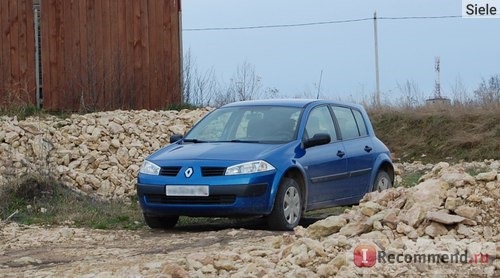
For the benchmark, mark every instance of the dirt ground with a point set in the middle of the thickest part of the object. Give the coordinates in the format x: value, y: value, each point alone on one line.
x: 65, y: 251
x: 218, y: 249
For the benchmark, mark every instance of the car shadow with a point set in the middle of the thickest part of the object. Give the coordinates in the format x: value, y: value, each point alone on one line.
x: 193, y: 224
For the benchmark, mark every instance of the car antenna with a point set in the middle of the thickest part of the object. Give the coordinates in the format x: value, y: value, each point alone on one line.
x: 319, y: 84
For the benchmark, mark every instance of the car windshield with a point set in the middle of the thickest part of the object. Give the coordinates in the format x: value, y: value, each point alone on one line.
x: 253, y: 124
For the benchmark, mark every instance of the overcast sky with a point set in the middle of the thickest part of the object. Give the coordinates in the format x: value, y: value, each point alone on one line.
x: 291, y: 59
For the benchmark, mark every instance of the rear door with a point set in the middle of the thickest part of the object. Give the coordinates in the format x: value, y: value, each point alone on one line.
x: 358, y: 147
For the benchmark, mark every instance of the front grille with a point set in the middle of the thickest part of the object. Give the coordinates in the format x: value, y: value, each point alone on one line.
x: 213, y: 200
x: 170, y: 171
x: 213, y: 171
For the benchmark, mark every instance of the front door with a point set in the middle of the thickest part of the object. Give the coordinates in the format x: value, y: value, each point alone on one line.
x: 325, y: 165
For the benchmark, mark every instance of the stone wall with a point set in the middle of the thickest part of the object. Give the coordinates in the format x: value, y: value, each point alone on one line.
x: 97, y: 153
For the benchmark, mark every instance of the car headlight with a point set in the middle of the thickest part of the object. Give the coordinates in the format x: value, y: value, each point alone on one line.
x: 249, y: 167
x: 149, y: 168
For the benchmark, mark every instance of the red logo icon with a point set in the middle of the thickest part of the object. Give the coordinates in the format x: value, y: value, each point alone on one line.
x: 365, y: 255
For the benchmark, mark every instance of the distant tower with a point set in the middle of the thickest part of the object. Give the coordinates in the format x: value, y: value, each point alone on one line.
x: 438, y: 101
x: 437, y: 86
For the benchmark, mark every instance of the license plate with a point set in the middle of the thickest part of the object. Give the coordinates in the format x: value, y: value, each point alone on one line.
x: 184, y: 190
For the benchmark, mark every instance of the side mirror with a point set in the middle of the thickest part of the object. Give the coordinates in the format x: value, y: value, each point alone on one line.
x: 318, y: 139
x: 176, y: 137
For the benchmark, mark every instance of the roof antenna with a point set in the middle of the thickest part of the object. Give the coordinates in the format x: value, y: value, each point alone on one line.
x: 319, y: 84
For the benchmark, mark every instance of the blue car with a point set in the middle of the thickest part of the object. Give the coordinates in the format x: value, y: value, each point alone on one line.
x: 274, y: 158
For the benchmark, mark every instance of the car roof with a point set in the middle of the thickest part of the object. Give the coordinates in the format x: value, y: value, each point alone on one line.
x: 287, y: 102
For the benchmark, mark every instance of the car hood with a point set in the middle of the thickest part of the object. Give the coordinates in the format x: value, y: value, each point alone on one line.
x: 214, y: 151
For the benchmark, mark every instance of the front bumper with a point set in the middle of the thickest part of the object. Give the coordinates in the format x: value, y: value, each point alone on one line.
x: 223, y: 200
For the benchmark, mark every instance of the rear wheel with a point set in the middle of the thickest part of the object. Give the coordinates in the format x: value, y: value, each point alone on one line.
x: 161, y: 222
x: 382, y: 181
x: 287, y: 206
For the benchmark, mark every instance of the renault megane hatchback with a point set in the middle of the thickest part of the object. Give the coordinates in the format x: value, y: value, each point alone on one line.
x: 275, y: 158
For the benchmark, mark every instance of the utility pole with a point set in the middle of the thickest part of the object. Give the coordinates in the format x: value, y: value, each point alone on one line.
x: 377, y: 78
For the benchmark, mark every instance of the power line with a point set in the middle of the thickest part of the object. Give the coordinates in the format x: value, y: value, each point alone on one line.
x: 278, y: 25
x: 419, y: 17
x: 316, y: 23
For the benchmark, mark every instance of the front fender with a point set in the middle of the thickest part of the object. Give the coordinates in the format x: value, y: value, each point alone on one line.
x: 295, y: 169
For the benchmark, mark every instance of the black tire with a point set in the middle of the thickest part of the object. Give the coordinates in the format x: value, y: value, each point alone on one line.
x: 161, y: 222
x: 382, y: 181
x: 287, y: 209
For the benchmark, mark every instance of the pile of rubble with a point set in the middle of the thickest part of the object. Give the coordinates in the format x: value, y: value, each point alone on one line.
x: 97, y: 153
x: 447, y: 225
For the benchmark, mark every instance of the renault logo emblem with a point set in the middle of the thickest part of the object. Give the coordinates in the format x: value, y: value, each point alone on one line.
x: 189, y: 172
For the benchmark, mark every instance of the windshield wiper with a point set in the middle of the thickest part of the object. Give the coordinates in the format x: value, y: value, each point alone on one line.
x: 241, y: 141
x: 194, y: 140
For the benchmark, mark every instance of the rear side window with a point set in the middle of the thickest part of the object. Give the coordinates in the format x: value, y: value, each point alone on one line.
x: 361, y: 122
x: 347, y: 122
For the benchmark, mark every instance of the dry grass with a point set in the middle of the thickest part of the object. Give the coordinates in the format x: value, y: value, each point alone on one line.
x: 436, y: 134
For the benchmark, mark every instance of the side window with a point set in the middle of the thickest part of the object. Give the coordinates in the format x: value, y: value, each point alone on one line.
x: 347, y: 122
x: 361, y: 122
x: 320, y: 121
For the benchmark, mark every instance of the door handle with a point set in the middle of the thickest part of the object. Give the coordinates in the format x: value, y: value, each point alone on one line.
x: 340, y: 154
x: 368, y: 149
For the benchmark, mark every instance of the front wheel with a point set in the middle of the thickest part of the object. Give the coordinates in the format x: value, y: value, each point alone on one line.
x: 287, y: 208
x: 161, y: 222
x: 382, y: 181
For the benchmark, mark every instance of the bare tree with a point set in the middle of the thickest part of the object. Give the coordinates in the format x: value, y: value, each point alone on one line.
x: 489, y: 91
x: 187, y: 75
x: 271, y: 92
x: 205, y: 87
x: 411, y: 95
x: 199, y: 87
x: 202, y: 88
x: 245, y: 85
x: 460, y: 93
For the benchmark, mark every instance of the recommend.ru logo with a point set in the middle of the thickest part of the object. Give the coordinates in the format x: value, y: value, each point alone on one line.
x: 367, y: 255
